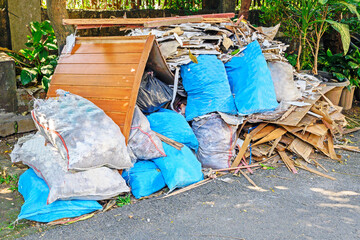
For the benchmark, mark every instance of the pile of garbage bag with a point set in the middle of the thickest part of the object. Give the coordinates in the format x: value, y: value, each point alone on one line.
x: 76, y: 155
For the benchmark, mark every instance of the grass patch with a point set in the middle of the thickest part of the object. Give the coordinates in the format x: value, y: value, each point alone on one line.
x: 122, y: 201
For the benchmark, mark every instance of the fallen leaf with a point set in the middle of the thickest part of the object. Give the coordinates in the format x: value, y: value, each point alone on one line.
x: 193, y: 58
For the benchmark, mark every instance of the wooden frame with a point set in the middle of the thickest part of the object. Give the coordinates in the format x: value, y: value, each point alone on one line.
x: 108, y: 72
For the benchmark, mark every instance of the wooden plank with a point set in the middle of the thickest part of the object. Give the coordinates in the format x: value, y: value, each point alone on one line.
x: 94, y: 91
x: 301, y: 148
x: 133, y: 21
x: 118, y: 118
x: 100, y: 58
x: 316, y: 172
x: 332, y: 152
x: 288, y: 162
x: 93, y: 80
x: 248, y: 178
x: 98, y: 69
x: 134, y: 93
x: 295, y: 117
x: 169, y: 141
x: 242, y: 151
x: 136, y: 47
x: 312, y: 139
x: 173, y: 21
x: 275, y: 143
x: 317, y: 129
x: 307, y: 120
x: 264, y: 132
x: 271, y: 136
x: 111, y: 105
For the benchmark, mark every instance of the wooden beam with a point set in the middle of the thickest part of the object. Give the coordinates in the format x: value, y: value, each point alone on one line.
x: 172, y: 21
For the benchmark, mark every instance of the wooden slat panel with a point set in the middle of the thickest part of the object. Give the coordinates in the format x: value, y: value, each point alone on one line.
x: 101, y: 58
x: 94, y: 91
x: 139, y: 72
x: 118, y: 118
x: 100, y: 69
x: 111, y: 105
x: 136, y: 47
x: 93, y: 80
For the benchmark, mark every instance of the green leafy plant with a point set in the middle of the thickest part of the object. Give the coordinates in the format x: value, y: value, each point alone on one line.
x: 342, y: 67
x: 122, y: 201
x: 37, y: 58
x: 312, y: 18
x: 10, y: 180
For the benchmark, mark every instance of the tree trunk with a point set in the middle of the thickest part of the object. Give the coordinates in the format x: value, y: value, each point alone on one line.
x: 245, y: 6
x: 56, y: 10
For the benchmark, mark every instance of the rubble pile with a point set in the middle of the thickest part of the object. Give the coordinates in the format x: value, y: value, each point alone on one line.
x: 235, y: 104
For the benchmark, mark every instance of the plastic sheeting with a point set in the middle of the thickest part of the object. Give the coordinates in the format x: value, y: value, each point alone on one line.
x: 143, y: 142
x: 282, y: 74
x: 174, y: 126
x: 180, y: 168
x: 207, y: 87
x: 153, y: 93
x: 250, y: 81
x: 35, y: 192
x: 216, y: 141
x: 84, y: 135
x: 94, y: 184
x: 144, y: 178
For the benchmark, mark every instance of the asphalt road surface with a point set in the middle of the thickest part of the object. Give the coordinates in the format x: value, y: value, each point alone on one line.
x: 289, y: 206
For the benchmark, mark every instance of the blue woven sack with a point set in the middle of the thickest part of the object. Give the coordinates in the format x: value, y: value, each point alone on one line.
x: 144, y: 178
x: 207, y: 87
x: 174, y: 126
x: 180, y: 168
x: 35, y: 192
x: 250, y: 81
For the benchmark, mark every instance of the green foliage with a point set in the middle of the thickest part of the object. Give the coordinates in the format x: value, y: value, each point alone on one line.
x: 342, y: 67
x: 275, y: 12
x: 192, y: 6
x: 10, y: 180
x: 122, y: 201
x: 37, y: 57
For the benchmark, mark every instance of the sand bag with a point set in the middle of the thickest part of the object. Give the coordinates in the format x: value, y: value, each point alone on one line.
x: 144, y: 178
x: 84, y: 135
x: 143, y: 142
x: 174, y: 126
x: 250, y: 81
x: 207, y: 87
x: 216, y: 141
x: 282, y: 74
x: 35, y: 193
x: 94, y: 184
x: 153, y: 93
x: 180, y: 168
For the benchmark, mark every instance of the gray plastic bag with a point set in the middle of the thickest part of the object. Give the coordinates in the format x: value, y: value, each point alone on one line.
x: 143, y: 142
x: 94, y: 184
x: 216, y: 141
x: 84, y: 135
x: 283, y: 79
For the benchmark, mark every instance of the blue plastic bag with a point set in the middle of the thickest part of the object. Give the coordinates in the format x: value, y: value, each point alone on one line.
x: 174, y: 126
x: 180, y: 168
x: 250, y: 81
x: 144, y: 178
x: 35, y: 192
x: 207, y: 87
